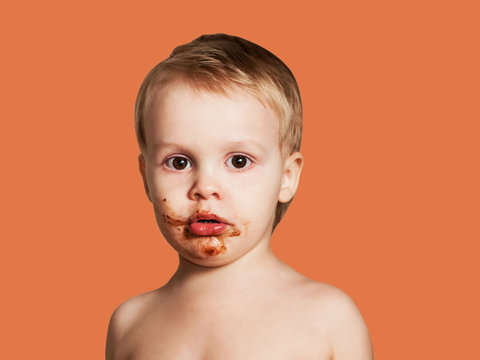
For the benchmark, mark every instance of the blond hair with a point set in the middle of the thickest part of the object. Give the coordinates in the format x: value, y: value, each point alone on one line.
x: 221, y: 64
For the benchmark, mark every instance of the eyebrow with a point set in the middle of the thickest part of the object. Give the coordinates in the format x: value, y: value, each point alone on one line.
x: 167, y: 145
x: 246, y: 144
x: 236, y: 144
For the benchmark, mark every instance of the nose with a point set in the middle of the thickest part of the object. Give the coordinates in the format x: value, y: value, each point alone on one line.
x: 205, y: 185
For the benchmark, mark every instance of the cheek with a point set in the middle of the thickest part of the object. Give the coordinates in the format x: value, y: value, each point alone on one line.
x: 163, y: 187
x: 257, y: 194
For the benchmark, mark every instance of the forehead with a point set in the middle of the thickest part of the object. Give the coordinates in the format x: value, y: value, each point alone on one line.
x: 185, y: 115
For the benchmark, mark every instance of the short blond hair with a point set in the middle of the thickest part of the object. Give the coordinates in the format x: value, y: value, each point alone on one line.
x: 221, y: 64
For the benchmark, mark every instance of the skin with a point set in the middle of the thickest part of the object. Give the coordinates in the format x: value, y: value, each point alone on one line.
x: 230, y: 297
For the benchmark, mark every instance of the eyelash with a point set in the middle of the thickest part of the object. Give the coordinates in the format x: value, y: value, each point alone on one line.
x: 248, y: 162
x: 169, y: 163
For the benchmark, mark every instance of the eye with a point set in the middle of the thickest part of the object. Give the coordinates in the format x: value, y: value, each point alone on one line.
x: 238, y: 161
x: 178, y: 163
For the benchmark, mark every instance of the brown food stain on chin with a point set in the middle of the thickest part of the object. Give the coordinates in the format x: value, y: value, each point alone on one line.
x: 213, y: 246
x: 202, y: 245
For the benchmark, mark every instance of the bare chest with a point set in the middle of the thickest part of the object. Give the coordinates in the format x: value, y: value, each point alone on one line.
x: 227, y: 334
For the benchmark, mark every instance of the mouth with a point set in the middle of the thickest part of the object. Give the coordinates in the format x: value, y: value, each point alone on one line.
x: 207, y: 225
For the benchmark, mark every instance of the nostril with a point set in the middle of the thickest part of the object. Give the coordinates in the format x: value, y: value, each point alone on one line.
x: 205, y: 195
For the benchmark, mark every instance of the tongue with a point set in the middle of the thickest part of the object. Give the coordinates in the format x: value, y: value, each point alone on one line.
x: 206, y: 229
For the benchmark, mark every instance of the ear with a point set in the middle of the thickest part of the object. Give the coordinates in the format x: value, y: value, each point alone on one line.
x: 141, y: 167
x: 291, y: 175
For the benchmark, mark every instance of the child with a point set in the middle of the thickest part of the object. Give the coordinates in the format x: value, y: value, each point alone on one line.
x: 219, y: 126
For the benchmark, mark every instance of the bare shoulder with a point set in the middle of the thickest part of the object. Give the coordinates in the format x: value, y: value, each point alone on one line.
x: 341, y: 320
x: 124, y: 318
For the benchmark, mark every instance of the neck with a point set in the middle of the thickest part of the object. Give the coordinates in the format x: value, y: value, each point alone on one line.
x: 252, y: 269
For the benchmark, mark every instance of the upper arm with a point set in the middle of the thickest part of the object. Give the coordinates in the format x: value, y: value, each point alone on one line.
x: 121, y: 320
x: 348, y: 333
x: 114, y: 329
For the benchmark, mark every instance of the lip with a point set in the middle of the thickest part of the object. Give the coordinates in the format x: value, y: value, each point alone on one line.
x: 200, y: 228
x: 207, y: 216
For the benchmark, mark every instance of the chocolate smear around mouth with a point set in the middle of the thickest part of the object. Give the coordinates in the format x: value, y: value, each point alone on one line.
x: 202, y: 245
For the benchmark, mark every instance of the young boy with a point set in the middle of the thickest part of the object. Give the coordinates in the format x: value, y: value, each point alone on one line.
x: 219, y: 127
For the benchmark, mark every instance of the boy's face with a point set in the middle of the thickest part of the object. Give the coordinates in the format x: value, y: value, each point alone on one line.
x: 214, y: 172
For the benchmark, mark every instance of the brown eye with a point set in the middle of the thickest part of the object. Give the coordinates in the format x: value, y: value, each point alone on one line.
x: 178, y: 163
x: 238, y: 161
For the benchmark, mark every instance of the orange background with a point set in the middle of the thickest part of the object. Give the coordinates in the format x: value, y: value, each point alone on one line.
x: 388, y: 205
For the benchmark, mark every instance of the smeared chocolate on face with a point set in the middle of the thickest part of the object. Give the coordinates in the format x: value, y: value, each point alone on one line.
x: 200, y: 246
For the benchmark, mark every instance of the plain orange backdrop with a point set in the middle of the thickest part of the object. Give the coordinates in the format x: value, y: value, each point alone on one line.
x: 388, y: 204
